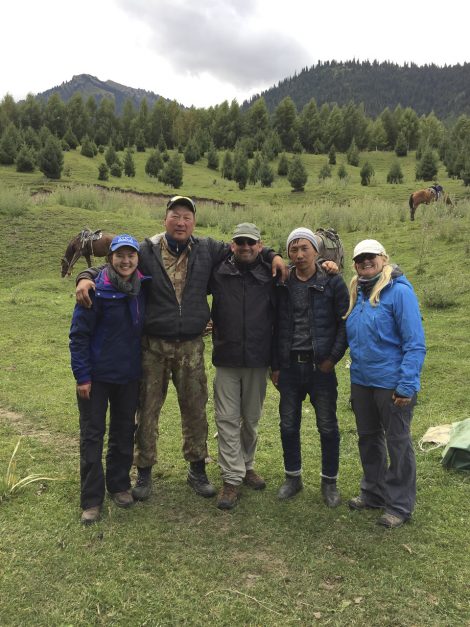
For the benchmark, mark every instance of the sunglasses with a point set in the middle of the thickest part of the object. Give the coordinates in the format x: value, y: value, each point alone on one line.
x: 364, y: 257
x: 241, y: 241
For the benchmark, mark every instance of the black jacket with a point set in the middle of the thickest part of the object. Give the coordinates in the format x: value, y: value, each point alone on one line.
x: 242, y: 315
x: 329, y: 301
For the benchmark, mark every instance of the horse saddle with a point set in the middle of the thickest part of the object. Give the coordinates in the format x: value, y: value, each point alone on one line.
x: 87, y: 236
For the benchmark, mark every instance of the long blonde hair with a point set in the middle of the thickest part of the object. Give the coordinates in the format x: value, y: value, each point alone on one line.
x: 374, y: 298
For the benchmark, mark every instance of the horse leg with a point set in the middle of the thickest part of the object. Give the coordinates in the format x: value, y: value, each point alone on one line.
x: 412, y: 208
x: 88, y: 259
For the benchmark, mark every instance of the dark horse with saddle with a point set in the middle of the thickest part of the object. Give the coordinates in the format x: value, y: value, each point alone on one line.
x: 430, y: 194
x: 86, y: 244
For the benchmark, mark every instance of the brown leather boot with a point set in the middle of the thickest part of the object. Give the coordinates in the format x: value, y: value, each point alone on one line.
x: 254, y: 481
x: 91, y: 515
x: 228, y: 496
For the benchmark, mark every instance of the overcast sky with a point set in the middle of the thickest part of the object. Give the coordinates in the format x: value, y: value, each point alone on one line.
x: 201, y: 52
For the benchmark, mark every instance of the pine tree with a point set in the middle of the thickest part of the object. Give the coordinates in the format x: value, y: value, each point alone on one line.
x: 140, y: 141
x: 367, y: 172
x: 154, y: 164
x: 129, y: 165
x: 9, y: 144
x: 103, y: 172
x: 401, y: 148
x: 283, y: 165
x: 111, y: 156
x: 191, y: 152
x: 395, y: 175
x: 227, y: 166
x: 240, y: 168
x: 51, y: 159
x: 116, y: 170
x: 332, y: 155
x: 87, y: 148
x: 172, y: 173
x: 427, y: 167
x: 71, y: 138
x: 266, y: 174
x: 25, y: 159
x: 342, y: 172
x: 254, y: 170
x: 297, y: 175
x: 325, y: 172
x: 212, y: 158
x: 352, y: 155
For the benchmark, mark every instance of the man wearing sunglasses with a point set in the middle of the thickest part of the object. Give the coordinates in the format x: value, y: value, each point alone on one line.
x: 176, y: 316
x: 242, y: 316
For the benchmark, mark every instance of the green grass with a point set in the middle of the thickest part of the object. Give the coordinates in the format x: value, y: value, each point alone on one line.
x: 177, y: 559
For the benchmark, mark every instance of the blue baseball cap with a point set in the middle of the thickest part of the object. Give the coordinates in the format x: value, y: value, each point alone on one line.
x: 124, y: 240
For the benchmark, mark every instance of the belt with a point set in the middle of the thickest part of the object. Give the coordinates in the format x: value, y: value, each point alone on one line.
x: 301, y: 357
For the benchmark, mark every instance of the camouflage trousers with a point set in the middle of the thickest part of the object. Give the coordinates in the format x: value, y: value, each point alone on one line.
x: 183, y: 362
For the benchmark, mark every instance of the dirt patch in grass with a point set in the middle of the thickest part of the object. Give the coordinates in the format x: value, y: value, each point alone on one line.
x: 24, y: 426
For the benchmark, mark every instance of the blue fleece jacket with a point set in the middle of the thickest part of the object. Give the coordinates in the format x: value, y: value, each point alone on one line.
x: 387, y: 341
x: 105, y: 340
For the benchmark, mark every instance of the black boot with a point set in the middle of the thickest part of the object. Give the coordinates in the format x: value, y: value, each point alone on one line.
x: 198, y: 480
x: 330, y: 492
x: 143, y: 486
x: 290, y: 487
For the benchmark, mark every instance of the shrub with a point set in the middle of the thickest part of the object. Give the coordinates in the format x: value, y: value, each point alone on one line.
x: 342, y: 172
x: 103, y: 172
x: 266, y: 174
x: 191, y: 152
x: 283, y: 165
x: 427, y: 167
x: 9, y: 143
x: 325, y: 172
x: 332, y: 155
x: 439, y: 295
x: 51, y: 159
x: 395, y: 175
x: 87, y: 148
x: 116, y: 170
x: 240, y: 168
x: 172, y: 173
x: 129, y: 165
x: 212, y: 158
x: 352, y: 155
x: 154, y: 164
x: 111, y: 156
x: 227, y: 166
x: 26, y: 159
x: 297, y: 175
x: 367, y: 172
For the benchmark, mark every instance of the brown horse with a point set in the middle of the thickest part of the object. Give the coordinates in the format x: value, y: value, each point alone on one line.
x: 433, y: 193
x: 86, y: 244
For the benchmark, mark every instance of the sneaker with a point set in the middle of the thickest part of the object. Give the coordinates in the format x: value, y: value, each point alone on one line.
x: 122, y: 499
x: 201, y: 484
x: 91, y: 515
x: 143, y: 485
x: 253, y: 480
x: 228, y: 496
x: 290, y: 487
x: 330, y: 492
x: 390, y: 521
x: 357, y: 503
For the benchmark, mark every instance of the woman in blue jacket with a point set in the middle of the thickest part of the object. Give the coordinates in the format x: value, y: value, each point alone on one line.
x: 386, y: 341
x: 105, y: 357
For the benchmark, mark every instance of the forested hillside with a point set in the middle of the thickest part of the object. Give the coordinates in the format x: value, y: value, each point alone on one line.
x: 444, y: 90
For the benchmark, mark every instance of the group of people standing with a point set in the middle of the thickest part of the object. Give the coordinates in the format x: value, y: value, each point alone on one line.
x: 139, y: 322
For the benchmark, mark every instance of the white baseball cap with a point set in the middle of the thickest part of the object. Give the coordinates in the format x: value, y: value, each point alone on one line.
x: 369, y: 246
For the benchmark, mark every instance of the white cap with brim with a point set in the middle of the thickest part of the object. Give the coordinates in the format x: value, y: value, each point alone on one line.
x: 371, y: 246
x: 302, y: 233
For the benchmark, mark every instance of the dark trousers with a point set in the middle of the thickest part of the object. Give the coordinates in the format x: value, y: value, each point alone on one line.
x: 389, y: 481
x: 295, y: 383
x: 122, y: 399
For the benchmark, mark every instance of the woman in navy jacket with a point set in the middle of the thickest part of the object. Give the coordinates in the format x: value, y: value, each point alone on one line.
x: 386, y: 341
x: 105, y: 358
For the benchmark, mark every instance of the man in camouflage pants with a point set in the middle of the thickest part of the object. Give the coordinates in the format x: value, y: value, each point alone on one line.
x: 177, y: 313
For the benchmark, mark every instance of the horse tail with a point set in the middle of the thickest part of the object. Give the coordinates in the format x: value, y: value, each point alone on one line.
x: 410, y: 202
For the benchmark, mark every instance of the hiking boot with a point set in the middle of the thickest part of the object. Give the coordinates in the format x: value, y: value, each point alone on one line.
x: 390, y: 521
x: 330, y: 492
x: 143, y: 485
x: 122, y: 499
x: 290, y: 487
x: 357, y: 503
x: 253, y: 480
x: 198, y: 480
x: 91, y: 515
x: 228, y: 496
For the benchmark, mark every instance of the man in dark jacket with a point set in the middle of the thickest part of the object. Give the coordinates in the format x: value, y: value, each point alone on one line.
x: 177, y: 313
x: 243, y: 315
x: 310, y: 338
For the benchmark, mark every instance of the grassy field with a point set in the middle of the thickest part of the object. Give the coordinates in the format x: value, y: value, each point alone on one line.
x: 177, y: 559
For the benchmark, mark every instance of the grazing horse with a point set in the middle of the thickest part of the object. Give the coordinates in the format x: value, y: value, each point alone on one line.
x: 428, y: 195
x: 86, y: 244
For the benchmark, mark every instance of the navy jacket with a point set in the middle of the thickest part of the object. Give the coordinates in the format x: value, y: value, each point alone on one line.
x: 105, y: 340
x: 329, y: 301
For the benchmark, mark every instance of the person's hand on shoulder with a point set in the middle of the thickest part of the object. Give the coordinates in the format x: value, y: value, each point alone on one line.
x: 330, y: 267
x: 81, y: 292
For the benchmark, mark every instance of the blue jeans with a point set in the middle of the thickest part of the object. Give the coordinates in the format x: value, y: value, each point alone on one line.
x: 295, y: 383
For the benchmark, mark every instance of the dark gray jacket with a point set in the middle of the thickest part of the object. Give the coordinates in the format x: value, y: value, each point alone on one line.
x: 242, y: 314
x: 329, y: 301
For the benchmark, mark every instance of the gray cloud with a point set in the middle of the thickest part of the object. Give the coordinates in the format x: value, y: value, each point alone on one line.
x: 220, y: 37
